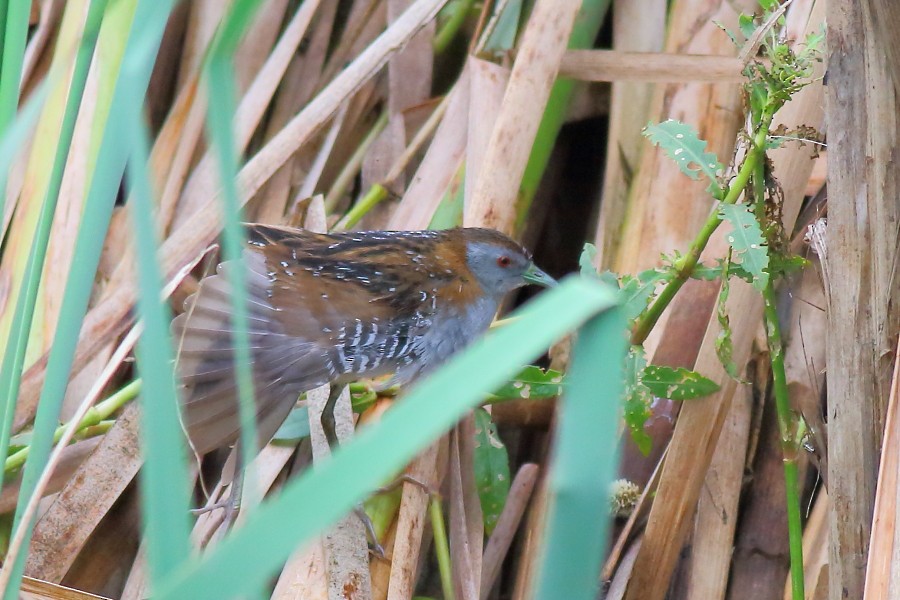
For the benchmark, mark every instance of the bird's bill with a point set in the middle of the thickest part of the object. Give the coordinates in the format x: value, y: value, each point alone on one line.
x: 536, y: 276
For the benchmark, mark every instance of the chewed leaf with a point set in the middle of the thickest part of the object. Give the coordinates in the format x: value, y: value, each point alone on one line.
x: 677, y: 383
x: 682, y: 144
x: 586, y: 261
x: 531, y: 383
x: 724, y: 346
x: 747, y: 242
x: 491, y: 469
x: 636, y: 410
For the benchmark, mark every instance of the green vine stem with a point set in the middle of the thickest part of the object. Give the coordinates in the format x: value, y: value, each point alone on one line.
x: 788, y: 441
x: 441, y: 547
x: 786, y: 421
x: 684, y: 266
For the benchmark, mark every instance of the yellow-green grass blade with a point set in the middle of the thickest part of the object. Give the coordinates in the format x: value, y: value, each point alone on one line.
x: 143, y: 43
x: 311, y: 503
x: 14, y: 355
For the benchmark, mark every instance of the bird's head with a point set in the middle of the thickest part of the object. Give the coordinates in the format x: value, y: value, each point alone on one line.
x: 499, y: 264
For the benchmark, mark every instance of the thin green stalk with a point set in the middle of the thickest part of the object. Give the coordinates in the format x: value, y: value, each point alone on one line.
x: 786, y: 419
x: 788, y: 443
x: 441, y: 547
x: 352, y: 166
x: 94, y: 416
x: 376, y: 194
x: 448, y: 32
x: 684, y: 267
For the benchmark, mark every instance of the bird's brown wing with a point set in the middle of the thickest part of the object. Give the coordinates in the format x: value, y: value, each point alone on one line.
x: 305, y: 323
x: 282, y: 365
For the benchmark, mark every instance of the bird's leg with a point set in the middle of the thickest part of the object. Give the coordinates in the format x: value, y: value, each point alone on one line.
x: 231, y: 503
x: 327, y: 418
x: 328, y: 427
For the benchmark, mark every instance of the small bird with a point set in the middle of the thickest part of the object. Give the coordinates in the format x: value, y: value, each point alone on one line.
x: 334, y: 308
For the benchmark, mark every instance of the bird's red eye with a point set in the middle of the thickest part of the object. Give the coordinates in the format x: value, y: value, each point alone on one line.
x: 504, y: 261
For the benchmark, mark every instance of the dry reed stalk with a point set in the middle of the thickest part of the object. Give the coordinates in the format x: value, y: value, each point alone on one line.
x: 440, y: 164
x: 543, y: 43
x: 487, y: 86
x: 381, y: 569
x: 427, y: 468
x: 638, y: 26
x: 650, y: 67
x: 466, y: 531
x: 203, y: 20
x: 520, y: 492
x: 300, y: 81
x: 37, y: 589
x: 862, y: 321
x: 60, y: 535
x: 666, y: 209
x: 69, y: 463
x: 249, y: 112
x: 815, y: 551
x: 409, y: 78
x: 258, y: 40
x: 717, y: 509
x: 880, y: 578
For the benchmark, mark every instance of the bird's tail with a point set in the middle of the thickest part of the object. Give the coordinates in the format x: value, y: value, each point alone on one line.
x: 204, y: 337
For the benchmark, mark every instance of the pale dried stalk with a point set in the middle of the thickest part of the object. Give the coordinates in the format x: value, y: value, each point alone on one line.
x: 440, y: 164
x: 411, y: 522
x: 717, y: 511
x: 251, y: 109
x: 650, y: 67
x: 493, y: 201
x: 466, y: 519
x: 507, y: 525
x: 638, y: 25
x: 862, y: 238
x: 487, y: 86
x: 880, y: 565
x: 36, y: 589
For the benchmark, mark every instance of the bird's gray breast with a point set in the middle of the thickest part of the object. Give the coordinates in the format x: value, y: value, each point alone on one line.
x: 448, y: 333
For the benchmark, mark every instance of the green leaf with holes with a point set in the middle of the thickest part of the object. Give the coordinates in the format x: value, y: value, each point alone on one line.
x: 677, y: 383
x: 531, y: 383
x: 724, y: 345
x: 682, y: 144
x: 637, y: 399
x: 748, y: 245
x: 491, y: 469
